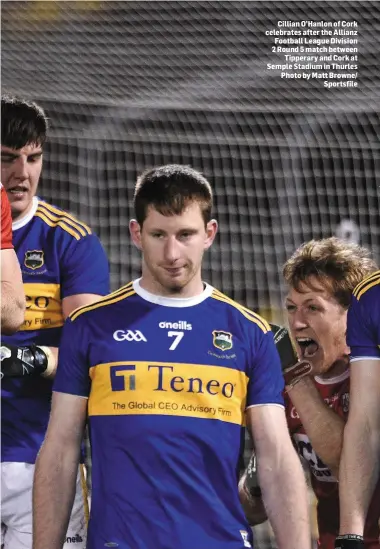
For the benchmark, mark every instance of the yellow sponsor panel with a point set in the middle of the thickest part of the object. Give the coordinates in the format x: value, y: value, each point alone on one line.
x: 168, y: 388
x: 43, y: 306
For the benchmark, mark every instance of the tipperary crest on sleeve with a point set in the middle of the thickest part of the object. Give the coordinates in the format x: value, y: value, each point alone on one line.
x: 222, y: 340
x: 34, y: 259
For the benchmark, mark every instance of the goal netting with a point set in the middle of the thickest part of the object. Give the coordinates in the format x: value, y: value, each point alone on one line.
x: 129, y: 85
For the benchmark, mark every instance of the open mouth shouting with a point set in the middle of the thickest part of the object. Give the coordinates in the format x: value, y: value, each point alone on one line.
x: 309, y: 347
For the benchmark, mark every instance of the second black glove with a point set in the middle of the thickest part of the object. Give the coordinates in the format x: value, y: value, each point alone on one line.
x: 22, y: 361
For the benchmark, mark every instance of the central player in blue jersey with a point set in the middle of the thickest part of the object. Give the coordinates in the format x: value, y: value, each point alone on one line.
x: 167, y: 368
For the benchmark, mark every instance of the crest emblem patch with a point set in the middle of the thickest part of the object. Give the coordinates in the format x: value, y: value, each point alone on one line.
x: 222, y: 340
x: 34, y: 259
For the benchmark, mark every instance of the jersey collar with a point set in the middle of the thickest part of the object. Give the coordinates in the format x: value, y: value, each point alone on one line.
x: 172, y: 301
x: 332, y: 380
x: 29, y: 216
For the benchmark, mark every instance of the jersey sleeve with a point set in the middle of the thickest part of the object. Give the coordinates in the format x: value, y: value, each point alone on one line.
x: 85, y: 268
x: 363, y: 325
x: 6, y: 222
x: 72, y: 375
x: 266, y: 382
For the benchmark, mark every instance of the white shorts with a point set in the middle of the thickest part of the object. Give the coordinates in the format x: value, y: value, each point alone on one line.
x: 16, y: 508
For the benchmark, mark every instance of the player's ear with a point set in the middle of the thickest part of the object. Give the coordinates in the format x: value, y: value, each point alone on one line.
x: 211, y: 230
x: 135, y: 231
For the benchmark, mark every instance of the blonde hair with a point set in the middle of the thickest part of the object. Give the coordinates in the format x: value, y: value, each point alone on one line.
x: 338, y: 265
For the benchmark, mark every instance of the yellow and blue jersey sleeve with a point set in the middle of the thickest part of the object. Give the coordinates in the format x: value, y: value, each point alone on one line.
x: 73, y: 374
x: 363, y: 320
x: 266, y: 382
x: 84, y: 268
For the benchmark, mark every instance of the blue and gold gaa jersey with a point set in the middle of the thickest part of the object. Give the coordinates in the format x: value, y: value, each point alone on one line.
x: 168, y: 381
x: 59, y: 257
x: 363, y: 321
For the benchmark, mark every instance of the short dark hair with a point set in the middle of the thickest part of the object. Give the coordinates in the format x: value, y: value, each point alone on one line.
x: 338, y: 265
x: 170, y: 189
x: 22, y: 123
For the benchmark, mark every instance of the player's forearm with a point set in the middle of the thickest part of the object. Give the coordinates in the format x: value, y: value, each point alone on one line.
x: 12, y: 307
x: 284, y: 491
x: 323, y: 426
x: 53, y: 495
x: 359, y: 472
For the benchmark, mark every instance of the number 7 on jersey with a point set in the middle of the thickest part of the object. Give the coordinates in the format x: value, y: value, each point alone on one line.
x: 178, y: 336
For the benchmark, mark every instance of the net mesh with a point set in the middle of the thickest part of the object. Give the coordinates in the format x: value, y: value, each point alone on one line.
x: 129, y: 85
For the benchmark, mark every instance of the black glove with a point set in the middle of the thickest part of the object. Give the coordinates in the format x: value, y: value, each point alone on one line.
x: 251, y: 481
x: 292, y: 368
x: 349, y: 541
x: 22, y: 361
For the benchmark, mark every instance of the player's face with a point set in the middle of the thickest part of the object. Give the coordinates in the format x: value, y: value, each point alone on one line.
x: 20, y: 174
x: 173, y: 247
x: 318, y: 325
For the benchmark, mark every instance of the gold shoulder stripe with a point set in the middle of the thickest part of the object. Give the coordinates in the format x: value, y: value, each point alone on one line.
x: 107, y: 300
x: 367, y: 287
x: 55, y: 214
x: 124, y: 289
x: 245, y: 309
x: 261, y: 323
x: 120, y: 291
x: 365, y: 281
x: 55, y: 210
x: 61, y: 224
x: 63, y: 217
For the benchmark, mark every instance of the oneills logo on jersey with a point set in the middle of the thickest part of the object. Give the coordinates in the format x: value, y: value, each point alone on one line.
x: 34, y: 259
x: 222, y: 340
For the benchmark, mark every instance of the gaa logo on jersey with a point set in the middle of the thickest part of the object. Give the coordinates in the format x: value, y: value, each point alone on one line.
x: 222, y: 340
x: 34, y: 259
x: 129, y: 335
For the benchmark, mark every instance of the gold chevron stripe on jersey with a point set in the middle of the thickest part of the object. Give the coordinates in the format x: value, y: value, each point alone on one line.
x: 64, y: 221
x: 61, y: 224
x: 245, y: 309
x: 370, y: 285
x: 365, y: 281
x: 118, y: 295
x: 253, y: 317
x: 56, y: 213
x: 366, y: 284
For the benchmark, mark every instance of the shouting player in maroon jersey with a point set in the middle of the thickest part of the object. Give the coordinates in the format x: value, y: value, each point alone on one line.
x: 321, y: 276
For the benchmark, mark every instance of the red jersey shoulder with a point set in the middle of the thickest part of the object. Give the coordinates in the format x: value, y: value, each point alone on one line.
x: 6, y: 221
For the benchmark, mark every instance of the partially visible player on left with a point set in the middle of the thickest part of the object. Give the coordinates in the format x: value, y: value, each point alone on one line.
x: 12, y: 291
x: 63, y: 267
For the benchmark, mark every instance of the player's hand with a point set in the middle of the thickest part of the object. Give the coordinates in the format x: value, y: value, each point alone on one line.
x: 349, y: 541
x: 250, y: 495
x: 251, y: 480
x: 22, y: 361
x: 292, y: 368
